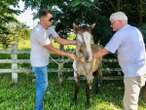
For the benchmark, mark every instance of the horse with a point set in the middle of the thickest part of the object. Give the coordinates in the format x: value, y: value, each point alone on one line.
x: 86, y: 65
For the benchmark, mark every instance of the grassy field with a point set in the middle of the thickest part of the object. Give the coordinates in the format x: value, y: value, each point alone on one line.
x: 21, y: 96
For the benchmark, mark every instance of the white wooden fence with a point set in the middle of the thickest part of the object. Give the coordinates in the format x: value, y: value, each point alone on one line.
x: 14, y: 61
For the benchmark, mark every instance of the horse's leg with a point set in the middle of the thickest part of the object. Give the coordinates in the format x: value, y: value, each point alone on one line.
x: 87, y: 93
x: 96, y: 83
x: 77, y: 87
x: 97, y: 80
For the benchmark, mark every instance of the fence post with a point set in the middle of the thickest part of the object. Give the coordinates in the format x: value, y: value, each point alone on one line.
x: 14, y: 66
x: 60, y: 74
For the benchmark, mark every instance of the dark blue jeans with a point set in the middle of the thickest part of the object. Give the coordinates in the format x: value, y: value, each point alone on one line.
x: 41, y: 74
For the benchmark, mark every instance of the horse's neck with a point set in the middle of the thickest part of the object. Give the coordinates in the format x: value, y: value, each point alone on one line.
x: 84, y: 45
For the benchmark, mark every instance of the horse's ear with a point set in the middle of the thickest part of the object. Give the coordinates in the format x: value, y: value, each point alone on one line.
x: 93, y: 25
x: 75, y: 26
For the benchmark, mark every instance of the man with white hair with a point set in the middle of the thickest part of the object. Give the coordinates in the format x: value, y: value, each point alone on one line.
x: 130, y: 47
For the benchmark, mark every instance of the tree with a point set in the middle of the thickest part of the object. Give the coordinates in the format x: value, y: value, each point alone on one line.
x: 7, y: 14
x: 93, y: 11
x: 71, y: 10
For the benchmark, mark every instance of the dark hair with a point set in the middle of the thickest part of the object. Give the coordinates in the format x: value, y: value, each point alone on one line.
x: 44, y: 12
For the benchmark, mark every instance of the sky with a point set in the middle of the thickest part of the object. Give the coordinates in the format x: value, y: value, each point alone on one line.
x: 27, y: 16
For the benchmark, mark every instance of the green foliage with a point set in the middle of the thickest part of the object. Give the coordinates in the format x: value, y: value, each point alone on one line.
x: 72, y: 9
x: 4, y: 40
x: 84, y: 9
x: 7, y: 14
x: 40, y: 4
x: 18, y: 33
x: 102, y: 31
x: 93, y: 11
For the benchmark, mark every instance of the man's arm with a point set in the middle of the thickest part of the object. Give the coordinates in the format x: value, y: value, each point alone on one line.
x: 59, y: 52
x: 60, y: 40
x: 65, y: 41
x: 101, y: 53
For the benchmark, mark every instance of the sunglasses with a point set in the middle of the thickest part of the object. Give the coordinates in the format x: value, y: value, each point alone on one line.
x: 51, y: 19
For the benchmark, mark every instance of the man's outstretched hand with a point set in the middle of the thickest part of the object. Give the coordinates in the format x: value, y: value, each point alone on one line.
x: 72, y: 56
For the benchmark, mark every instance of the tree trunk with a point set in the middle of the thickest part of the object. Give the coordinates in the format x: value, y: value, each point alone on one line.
x: 119, y: 5
x: 141, y: 11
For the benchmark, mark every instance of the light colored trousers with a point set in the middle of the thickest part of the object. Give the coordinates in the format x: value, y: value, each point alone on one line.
x: 132, y: 88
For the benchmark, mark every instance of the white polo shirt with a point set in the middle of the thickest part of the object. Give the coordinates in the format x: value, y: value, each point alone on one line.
x: 129, y: 44
x: 39, y: 37
x: 39, y: 55
x: 52, y: 33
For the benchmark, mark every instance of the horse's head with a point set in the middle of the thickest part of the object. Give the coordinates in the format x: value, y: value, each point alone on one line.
x: 83, y: 28
x: 85, y: 39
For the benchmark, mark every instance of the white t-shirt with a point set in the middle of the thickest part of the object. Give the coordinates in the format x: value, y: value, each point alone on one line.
x: 39, y: 54
x: 129, y: 44
x: 52, y: 33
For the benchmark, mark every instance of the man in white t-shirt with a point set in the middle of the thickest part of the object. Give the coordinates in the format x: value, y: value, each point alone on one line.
x: 129, y: 45
x: 40, y: 48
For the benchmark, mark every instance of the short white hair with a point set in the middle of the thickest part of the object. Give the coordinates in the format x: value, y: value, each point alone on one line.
x: 119, y: 16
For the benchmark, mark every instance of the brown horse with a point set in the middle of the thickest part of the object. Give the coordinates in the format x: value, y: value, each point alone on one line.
x: 87, y: 64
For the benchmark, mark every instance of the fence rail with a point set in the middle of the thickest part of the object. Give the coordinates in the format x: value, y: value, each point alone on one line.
x: 14, y: 61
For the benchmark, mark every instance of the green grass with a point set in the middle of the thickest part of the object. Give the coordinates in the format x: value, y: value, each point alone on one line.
x: 21, y: 96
